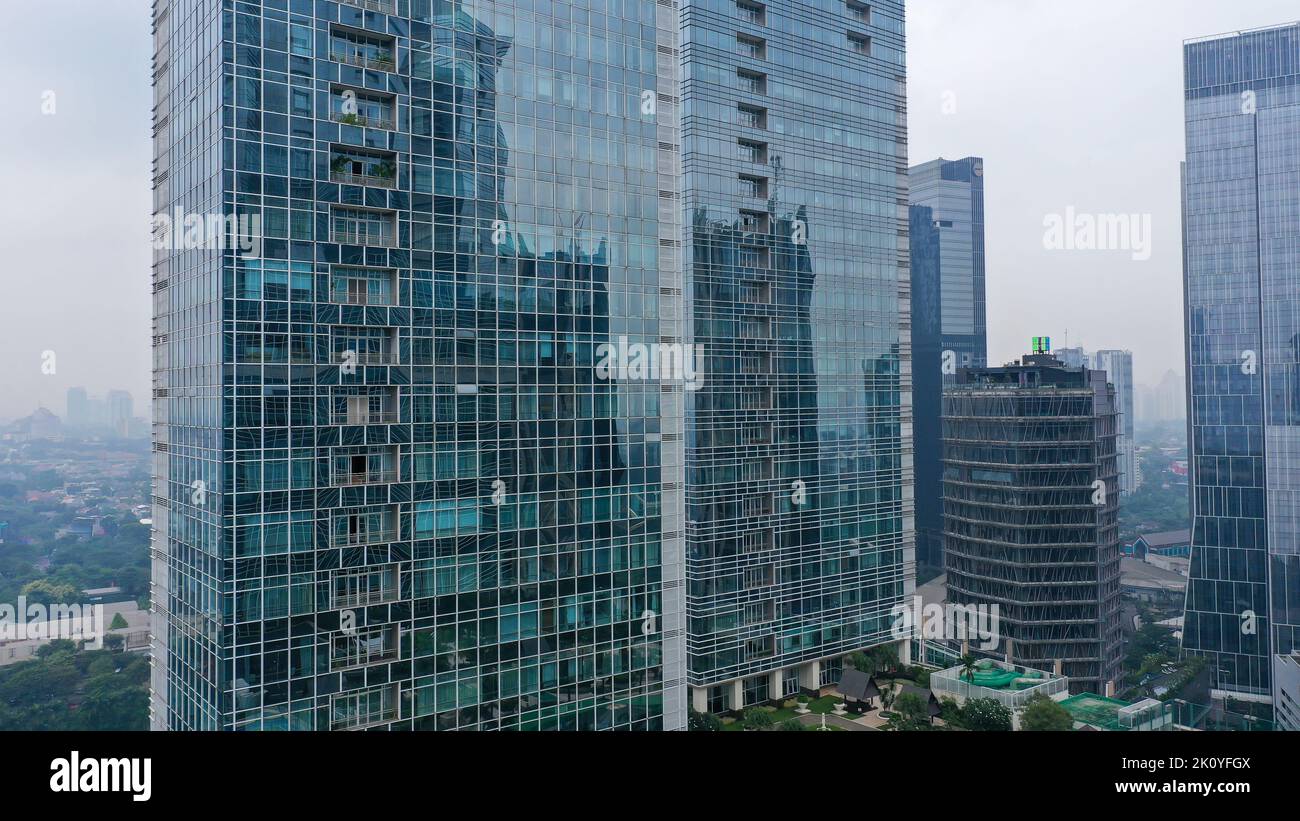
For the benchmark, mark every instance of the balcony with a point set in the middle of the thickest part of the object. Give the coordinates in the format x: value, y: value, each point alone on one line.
x: 355, y: 235
x: 370, y: 645
x: 356, y: 711
x: 363, y: 357
x: 374, y: 180
x: 362, y: 538
x: 374, y: 476
x: 381, y: 120
x: 378, y: 60
x: 358, y: 169
x: 381, y: 6
x: 364, y: 418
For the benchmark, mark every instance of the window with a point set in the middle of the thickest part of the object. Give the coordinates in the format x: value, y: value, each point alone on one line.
x: 755, y: 47
x: 356, y: 227
x: 756, y: 690
x: 752, y: 82
x: 352, y: 107
x: 832, y: 672
x: 757, y: 577
x: 363, y: 586
x: 859, y: 11
x: 362, y: 50
x: 362, y: 345
x: 363, y: 168
x: 790, y: 682
x: 860, y: 43
x: 362, y: 286
x: 751, y: 12
x: 751, y: 116
x: 364, y: 645
x: 751, y: 151
x: 363, y: 709
x: 753, y: 186
x: 363, y: 526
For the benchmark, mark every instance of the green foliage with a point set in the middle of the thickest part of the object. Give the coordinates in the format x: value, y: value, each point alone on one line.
x: 861, y: 662
x: 703, y: 722
x: 985, y: 715
x: 1041, y: 713
x: 62, y: 689
x: 118, y: 622
x: 756, y: 718
x: 968, y: 668
x: 791, y: 725
x: 909, y: 714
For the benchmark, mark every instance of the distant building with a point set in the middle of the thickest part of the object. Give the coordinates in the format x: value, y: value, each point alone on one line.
x: 949, y: 315
x: 1118, y: 366
x: 120, y: 412
x: 1031, y: 512
x: 1166, y: 543
x: 78, y: 408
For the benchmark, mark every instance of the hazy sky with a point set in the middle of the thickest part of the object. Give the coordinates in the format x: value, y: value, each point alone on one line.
x: 1072, y: 105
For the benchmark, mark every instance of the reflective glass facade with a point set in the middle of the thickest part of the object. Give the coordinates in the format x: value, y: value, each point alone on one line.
x: 393, y: 490
x: 947, y: 277
x: 1242, y: 271
x: 799, y: 508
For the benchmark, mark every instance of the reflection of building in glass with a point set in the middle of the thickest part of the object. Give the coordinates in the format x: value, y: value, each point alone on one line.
x: 1242, y: 285
x: 949, y: 323
x: 1031, y: 513
x: 799, y: 473
x: 394, y: 493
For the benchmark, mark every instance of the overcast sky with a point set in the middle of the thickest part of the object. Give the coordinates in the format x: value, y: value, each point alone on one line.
x: 1072, y: 105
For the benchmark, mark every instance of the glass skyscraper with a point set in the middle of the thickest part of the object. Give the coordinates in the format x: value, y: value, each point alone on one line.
x: 949, y: 321
x: 393, y: 489
x: 1242, y: 282
x: 799, y: 473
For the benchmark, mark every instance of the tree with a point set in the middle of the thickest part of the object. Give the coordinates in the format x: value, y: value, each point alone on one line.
x: 968, y: 668
x: 910, y: 714
x: 703, y: 722
x: 118, y: 623
x: 756, y: 718
x: 986, y: 715
x: 861, y: 662
x: 791, y: 725
x: 1041, y: 713
x: 950, y: 712
x: 885, y: 656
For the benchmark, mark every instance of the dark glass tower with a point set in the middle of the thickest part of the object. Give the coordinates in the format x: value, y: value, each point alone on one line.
x: 1031, y: 513
x: 1242, y: 284
x: 948, y: 315
x: 393, y: 490
x: 799, y: 508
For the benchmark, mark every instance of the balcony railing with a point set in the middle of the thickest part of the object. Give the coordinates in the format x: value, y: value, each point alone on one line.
x: 366, y: 477
x: 348, y: 178
x: 379, y: 63
x: 354, y: 357
x: 344, y: 601
x: 352, y: 298
x: 372, y: 418
x: 354, y: 237
x: 381, y: 6
x: 368, y: 537
x: 385, y: 122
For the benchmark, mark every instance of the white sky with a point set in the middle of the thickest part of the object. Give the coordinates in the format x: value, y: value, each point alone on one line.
x: 1070, y: 104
